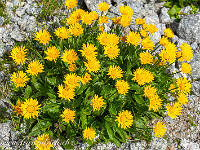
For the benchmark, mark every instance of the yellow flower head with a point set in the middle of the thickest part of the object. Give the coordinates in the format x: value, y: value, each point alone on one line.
x: 103, y: 6
x: 168, y: 33
x: 103, y: 19
x: 111, y: 51
x: 66, y: 92
x: 186, y: 68
x: 18, y: 54
x: 149, y: 91
x: 52, y: 53
x: 89, y: 51
x: 159, y: 129
x: 86, y: 78
x: 140, y: 21
x: 108, y: 39
x: 164, y: 41
x: 69, y: 56
x: 186, y: 52
x: 43, y: 142
x: 146, y: 58
x: 126, y: 10
x: 143, y: 33
x: 147, y: 44
x: 150, y: 28
x: 97, y: 103
x: 43, y: 36
x: 117, y: 20
x: 174, y: 110
x: 122, y: 87
x: 30, y: 108
x: 123, y: 39
x: 17, y: 108
x: 133, y: 38
x: 89, y: 133
x: 68, y: 115
x: 125, y: 21
x: 75, y: 16
x: 184, y: 85
x: 101, y: 28
x: 72, y: 80
x: 155, y: 103
x: 19, y: 79
x: 143, y: 76
x: 115, y: 72
x: 71, y: 3
x: 182, y: 98
x: 93, y: 65
x: 72, y: 67
x: 172, y: 88
x: 124, y: 119
x: 76, y: 29
x: 88, y: 18
x: 62, y: 33
x: 35, y: 67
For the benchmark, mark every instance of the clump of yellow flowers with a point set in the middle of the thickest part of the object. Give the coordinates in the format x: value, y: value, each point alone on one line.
x: 84, y: 82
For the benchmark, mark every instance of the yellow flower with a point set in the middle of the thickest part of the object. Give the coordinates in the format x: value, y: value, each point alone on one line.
x: 66, y: 92
x: 101, y: 28
x: 143, y: 76
x: 17, y: 108
x: 30, y: 108
x: 117, y: 20
x: 75, y: 16
x: 182, y: 98
x: 172, y: 88
x: 164, y: 41
x: 19, y: 79
x: 168, y: 33
x: 43, y: 36
x: 159, y: 129
x: 122, y: 87
x: 140, y: 21
x: 103, y: 6
x: 62, y: 33
x: 111, y: 51
x: 86, y: 78
x: 150, y: 28
x: 68, y: 115
x: 93, y: 65
x: 43, y: 142
x: 115, y: 72
x: 103, y: 19
x: 155, y: 103
x: 133, y: 38
x: 89, y: 133
x: 174, y: 110
x: 35, y: 67
x: 88, y: 18
x: 147, y: 44
x: 146, y: 58
x: 18, y: 54
x: 124, y: 119
x: 186, y: 68
x: 72, y: 67
x: 149, y: 91
x: 71, y: 3
x: 89, y: 51
x: 125, y: 21
x: 76, y: 29
x: 72, y: 80
x: 126, y: 10
x: 52, y: 53
x: 108, y: 39
x: 123, y: 39
x: 69, y: 56
x: 186, y: 52
x: 183, y: 85
x: 143, y: 33
x: 97, y: 103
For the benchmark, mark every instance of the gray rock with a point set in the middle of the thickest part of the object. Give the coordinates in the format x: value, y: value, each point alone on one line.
x: 20, y: 11
x: 135, y: 5
x: 152, y: 19
x: 33, y: 10
x: 175, y: 39
x: 2, y: 76
x: 189, y: 28
x: 164, y: 16
x: 1, y: 20
x: 2, y: 30
x: 16, y: 35
x: 4, y: 134
x: 181, y: 41
x: 186, y: 10
x: 16, y: 2
x: 158, y: 144
x: 187, y: 145
x: 14, y: 18
x: 194, y: 46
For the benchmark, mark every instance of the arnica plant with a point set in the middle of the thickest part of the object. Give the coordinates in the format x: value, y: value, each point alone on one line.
x: 81, y: 83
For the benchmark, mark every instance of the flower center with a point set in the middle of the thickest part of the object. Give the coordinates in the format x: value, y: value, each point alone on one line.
x: 123, y: 118
x: 19, y: 80
x: 182, y: 87
x: 30, y: 109
x: 34, y: 69
x: 172, y: 110
x: 19, y: 55
x: 51, y: 54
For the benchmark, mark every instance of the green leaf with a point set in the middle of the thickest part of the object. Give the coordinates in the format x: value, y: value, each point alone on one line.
x: 37, y: 85
x: 81, y: 89
x: 139, y: 99
x: 40, y: 127
x: 112, y: 109
x: 28, y: 91
x: 109, y: 131
x: 51, y: 107
x: 52, y: 96
x: 116, y: 142
x: 38, y: 94
x: 68, y: 146
x: 135, y: 87
x: 84, y: 121
x: 51, y: 81
x: 174, y: 10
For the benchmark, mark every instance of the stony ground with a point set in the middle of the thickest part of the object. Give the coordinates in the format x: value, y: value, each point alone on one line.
x: 183, y: 132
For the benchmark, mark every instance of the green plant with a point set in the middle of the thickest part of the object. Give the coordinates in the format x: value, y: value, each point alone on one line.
x: 3, y: 13
x: 79, y: 81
